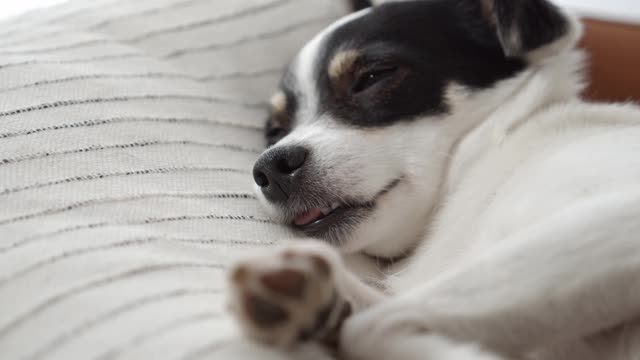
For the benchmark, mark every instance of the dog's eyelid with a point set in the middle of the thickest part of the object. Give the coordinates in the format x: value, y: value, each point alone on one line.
x: 377, y: 67
x: 366, y: 79
x: 365, y: 64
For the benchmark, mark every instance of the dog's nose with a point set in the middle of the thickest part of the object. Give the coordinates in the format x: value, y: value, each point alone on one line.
x: 275, y: 171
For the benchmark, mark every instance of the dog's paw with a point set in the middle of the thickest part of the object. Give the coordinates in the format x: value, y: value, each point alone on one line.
x: 289, y: 297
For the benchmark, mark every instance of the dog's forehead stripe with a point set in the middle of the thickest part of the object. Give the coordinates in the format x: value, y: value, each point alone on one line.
x: 306, y: 65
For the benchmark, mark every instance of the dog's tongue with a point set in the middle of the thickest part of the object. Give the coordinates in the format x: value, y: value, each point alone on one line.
x: 308, y: 217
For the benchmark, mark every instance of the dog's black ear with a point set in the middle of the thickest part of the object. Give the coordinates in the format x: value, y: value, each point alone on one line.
x: 524, y: 25
x: 357, y: 5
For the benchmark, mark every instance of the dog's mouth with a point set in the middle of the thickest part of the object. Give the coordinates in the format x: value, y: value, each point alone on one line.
x: 315, y: 215
x: 319, y: 220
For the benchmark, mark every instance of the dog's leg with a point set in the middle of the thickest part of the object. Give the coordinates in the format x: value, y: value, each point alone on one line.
x: 571, y: 276
x: 305, y: 292
x: 299, y: 293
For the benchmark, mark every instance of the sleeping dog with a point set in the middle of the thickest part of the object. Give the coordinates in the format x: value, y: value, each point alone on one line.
x: 469, y: 205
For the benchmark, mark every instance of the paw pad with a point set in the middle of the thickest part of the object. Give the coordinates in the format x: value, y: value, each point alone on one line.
x: 290, y: 283
x: 264, y: 313
x: 288, y: 298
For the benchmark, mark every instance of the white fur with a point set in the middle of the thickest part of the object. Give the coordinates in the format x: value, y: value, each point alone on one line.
x: 524, y: 204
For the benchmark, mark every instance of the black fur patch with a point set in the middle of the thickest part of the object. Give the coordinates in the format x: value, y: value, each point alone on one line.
x: 357, y: 5
x: 416, y: 49
x: 409, y: 52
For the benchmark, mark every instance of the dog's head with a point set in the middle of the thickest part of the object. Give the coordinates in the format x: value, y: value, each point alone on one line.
x: 367, y: 114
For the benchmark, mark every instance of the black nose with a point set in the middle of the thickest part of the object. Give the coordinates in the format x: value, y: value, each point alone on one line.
x: 276, y: 171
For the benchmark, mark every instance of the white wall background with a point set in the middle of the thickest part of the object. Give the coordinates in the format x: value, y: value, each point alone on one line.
x: 619, y: 10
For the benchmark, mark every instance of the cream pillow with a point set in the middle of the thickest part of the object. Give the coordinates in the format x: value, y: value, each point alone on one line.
x: 128, y: 130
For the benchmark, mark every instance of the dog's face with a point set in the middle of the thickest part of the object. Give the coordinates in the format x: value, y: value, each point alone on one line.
x: 367, y: 115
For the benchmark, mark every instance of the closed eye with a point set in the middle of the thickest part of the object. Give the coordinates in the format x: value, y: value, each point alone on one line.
x: 369, y: 78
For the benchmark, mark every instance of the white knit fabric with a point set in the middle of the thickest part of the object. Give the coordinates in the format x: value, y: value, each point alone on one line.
x: 128, y: 130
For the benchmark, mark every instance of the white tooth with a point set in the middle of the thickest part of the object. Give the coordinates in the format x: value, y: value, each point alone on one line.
x: 325, y: 211
x: 335, y: 205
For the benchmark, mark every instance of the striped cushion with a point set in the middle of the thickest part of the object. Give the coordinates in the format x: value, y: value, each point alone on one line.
x: 127, y: 133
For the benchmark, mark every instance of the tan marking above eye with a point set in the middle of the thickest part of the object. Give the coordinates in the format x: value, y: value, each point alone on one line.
x: 279, y: 115
x: 342, y: 63
x: 278, y: 103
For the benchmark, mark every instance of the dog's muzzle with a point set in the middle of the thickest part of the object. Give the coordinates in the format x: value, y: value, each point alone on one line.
x: 277, y: 172
x: 306, y: 198
x: 285, y: 176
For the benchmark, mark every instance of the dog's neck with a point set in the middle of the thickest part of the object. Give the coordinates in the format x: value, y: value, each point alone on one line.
x: 554, y: 81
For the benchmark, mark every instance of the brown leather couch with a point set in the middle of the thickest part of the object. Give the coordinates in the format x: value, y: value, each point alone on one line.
x: 615, y: 60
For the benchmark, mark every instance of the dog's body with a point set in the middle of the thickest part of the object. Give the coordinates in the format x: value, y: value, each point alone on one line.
x: 517, y: 202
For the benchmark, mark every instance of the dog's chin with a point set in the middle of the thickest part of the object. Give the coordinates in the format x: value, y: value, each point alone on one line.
x: 336, y: 219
